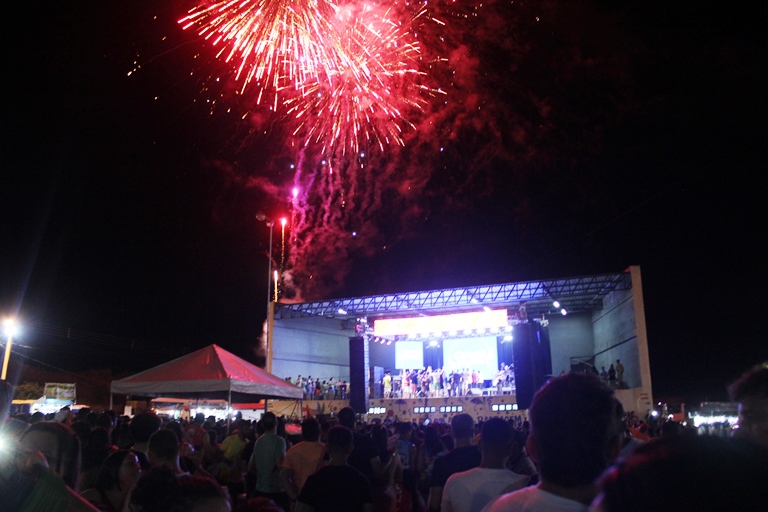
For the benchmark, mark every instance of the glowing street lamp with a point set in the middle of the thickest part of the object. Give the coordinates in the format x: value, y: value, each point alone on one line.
x: 10, y: 330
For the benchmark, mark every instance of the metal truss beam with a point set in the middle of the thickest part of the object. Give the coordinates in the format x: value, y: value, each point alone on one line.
x: 574, y: 293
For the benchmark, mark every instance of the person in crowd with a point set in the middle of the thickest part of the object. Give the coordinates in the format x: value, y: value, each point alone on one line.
x: 337, y: 486
x: 42, y: 474
x: 576, y: 430
x: 619, y: 372
x: 231, y: 469
x: 160, y: 490
x: 257, y: 505
x: 197, y: 435
x: 302, y: 459
x: 751, y: 392
x: 428, y: 452
x: 267, y: 459
x: 163, y: 451
x: 612, y: 376
x: 116, y: 477
x: 686, y: 472
x: 364, y: 457
x: 463, y: 457
x: 95, y: 450
x: 407, y: 453
x: 519, y: 461
x: 185, y: 447
x: 384, y: 485
x: 142, y: 426
x: 470, y: 491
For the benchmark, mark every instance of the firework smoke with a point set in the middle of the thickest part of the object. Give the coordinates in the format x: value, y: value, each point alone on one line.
x: 385, y: 139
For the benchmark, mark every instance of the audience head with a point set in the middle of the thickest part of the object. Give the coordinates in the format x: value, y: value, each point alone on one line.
x: 347, y: 417
x: 340, y: 440
x: 463, y: 426
x: 120, y: 470
x: 159, y: 490
x: 60, y: 447
x: 751, y: 392
x: 495, y: 436
x: 258, y: 505
x: 144, y: 425
x: 269, y: 421
x: 310, y: 430
x: 176, y: 428
x: 686, y: 472
x: 163, y: 448
x: 576, y: 424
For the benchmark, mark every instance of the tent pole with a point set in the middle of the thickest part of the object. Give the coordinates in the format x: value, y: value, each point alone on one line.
x: 110, y: 400
x: 229, y: 412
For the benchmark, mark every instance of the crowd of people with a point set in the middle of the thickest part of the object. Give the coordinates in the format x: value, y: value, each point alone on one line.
x: 431, y: 382
x: 327, y: 389
x: 412, y: 383
x: 579, y: 451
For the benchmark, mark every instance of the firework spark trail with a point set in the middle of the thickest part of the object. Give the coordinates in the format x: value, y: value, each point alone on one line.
x: 347, y: 73
x: 373, y: 85
x: 438, y: 138
x: 275, y: 43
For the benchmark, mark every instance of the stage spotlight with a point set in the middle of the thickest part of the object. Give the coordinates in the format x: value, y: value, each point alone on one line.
x: 563, y: 312
x: 486, y: 309
x: 389, y: 342
x: 452, y: 333
x: 508, y: 337
x: 342, y: 311
x: 433, y: 343
x: 556, y: 304
x: 508, y: 328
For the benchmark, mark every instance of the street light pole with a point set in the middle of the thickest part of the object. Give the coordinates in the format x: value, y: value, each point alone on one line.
x: 10, y: 330
x: 260, y: 216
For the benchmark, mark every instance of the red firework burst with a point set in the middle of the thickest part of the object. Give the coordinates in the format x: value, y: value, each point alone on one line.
x: 372, y: 83
x: 271, y: 43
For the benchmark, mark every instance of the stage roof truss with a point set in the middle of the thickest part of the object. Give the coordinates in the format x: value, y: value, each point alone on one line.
x: 574, y: 294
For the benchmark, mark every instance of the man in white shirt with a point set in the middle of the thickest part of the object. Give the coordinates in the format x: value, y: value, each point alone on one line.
x: 470, y: 491
x: 576, y: 426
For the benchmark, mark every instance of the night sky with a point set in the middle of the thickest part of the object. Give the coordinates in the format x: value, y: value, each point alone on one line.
x: 573, y: 138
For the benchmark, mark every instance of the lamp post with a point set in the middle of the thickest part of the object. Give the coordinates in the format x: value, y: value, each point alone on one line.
x: 261, y: 217
x: 10, y: 330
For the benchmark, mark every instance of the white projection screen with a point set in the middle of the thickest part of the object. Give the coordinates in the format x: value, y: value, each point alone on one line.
x: 473, y: 353
x: 409, y: 355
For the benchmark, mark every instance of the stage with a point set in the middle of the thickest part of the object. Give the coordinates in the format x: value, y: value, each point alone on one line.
x: 436, y: 410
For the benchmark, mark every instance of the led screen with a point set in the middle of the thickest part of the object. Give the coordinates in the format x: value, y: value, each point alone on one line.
x: 409, y: 355
x: 473, y: 353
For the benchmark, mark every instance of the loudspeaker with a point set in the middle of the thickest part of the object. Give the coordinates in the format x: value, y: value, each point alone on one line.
x: 358, y: 373
x: 533, y: 361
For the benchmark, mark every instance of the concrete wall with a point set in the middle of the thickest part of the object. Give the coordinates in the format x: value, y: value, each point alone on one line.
x: 569, y: 336
x: 313, y: 346
x: 615, y: 331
